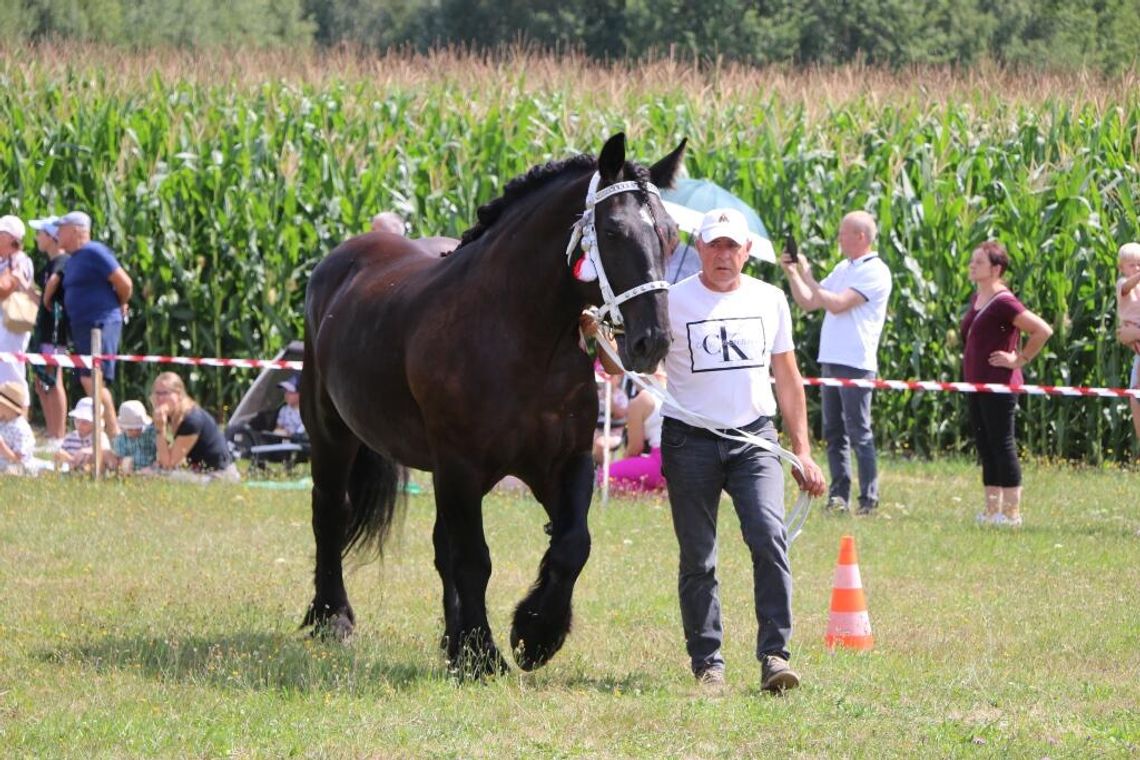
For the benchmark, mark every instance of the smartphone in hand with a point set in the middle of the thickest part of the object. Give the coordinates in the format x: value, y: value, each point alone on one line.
x: 791, y: 248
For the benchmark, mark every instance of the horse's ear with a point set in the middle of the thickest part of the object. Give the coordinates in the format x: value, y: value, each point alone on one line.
x: 612, y: 159
x: 665, y: 171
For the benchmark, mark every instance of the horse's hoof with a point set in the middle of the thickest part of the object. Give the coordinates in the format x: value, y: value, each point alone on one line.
x: 328, y: 625
x: 534, y: 641
x: 338, y: 629
x: 470, y: 669
x: 476, y: 662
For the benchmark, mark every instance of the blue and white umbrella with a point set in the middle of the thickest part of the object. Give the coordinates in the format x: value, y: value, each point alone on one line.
x: 690, y: 199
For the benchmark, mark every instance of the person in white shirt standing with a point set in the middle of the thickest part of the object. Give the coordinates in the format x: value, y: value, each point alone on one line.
x: 731, y: 336
x: 854, y: 297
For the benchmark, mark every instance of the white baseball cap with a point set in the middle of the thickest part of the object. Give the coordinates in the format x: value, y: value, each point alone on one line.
x: 13, y: 226
x: 46, y: 225
x: 724, y: 223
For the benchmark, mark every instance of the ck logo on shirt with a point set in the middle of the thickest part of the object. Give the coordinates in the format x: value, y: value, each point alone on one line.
x: 719, y: 344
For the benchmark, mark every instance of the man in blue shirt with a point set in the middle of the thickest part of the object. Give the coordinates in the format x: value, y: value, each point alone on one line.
x: 96, y: 290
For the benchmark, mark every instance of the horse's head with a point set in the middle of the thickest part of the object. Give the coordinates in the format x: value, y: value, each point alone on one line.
x: 632, y: 235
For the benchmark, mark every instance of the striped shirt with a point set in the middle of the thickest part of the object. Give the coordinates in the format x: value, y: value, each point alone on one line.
x: 74, y: 442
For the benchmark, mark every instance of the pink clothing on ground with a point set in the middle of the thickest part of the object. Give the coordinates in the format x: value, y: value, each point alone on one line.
x: 637, y: 473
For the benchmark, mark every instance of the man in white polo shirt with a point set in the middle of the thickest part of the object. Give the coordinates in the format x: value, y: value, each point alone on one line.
x: 854, y: 297
x: 732, y: 335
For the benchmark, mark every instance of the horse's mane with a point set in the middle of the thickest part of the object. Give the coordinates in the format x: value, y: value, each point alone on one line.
x: 536, y: 177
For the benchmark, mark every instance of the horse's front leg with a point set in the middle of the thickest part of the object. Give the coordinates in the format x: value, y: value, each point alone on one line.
x: 471, y: 650
x: 542, y: 619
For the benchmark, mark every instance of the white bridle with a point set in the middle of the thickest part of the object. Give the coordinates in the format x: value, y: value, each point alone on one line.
x: 585, y: 233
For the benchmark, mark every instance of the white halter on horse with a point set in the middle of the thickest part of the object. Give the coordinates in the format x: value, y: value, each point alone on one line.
x: 589, y: 268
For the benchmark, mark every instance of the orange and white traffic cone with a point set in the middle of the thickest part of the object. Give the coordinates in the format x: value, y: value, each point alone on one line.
x: 848, y: 624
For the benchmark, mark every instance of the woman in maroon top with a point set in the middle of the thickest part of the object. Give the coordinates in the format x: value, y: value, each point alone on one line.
x: 991, y: 329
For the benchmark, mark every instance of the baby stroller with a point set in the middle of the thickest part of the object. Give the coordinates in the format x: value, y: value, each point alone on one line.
x: 249, y: 432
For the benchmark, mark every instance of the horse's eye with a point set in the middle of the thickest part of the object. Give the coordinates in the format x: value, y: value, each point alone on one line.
x: 611, y: 234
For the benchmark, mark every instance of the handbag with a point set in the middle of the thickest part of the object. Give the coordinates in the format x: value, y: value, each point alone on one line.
x: 20, y: 310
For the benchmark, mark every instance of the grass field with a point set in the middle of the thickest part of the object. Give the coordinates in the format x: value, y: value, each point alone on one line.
x: 149, y: 619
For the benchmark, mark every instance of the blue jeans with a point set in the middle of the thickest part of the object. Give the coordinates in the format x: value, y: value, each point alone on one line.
x: 846, y: 426
x: 81, y: 337
x: 698, y: 467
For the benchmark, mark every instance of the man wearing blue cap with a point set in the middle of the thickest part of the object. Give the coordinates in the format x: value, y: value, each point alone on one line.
x: 51, y: 333
x: 96, y: 290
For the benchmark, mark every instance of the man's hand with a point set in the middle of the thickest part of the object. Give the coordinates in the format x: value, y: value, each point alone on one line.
x: 588, y: 324
x: 794, y: 267
x: 811, y: 480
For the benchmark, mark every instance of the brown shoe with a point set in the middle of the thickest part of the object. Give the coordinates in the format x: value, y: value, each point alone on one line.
x: 711, y: 678
x: 776, y: 675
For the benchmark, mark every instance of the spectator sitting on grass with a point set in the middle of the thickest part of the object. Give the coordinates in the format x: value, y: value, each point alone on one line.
x: 78, y: 448
x: 135, y: 447
x: 190, y: 445
x: 289, y: 423
x: 16, y: 438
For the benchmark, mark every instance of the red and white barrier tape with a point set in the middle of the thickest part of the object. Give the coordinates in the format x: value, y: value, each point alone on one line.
x: 959, y: 387
x: 84, y: 361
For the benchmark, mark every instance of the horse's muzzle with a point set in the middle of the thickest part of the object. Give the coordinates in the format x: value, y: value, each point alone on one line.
x: 645, y: 350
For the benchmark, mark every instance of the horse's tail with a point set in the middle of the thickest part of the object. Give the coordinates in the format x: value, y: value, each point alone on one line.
x: 375, y: 487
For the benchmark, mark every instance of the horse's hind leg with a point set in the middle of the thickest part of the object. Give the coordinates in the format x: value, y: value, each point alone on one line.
x: 471, y: 650
x: 542, y: 619
x: 333, y: 452
x: 442, y: 545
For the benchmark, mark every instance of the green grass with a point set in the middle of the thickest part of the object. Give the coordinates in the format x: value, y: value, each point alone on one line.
x: 149, y: 619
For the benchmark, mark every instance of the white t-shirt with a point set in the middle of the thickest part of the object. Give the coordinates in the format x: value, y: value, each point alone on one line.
x: 852, y: 338
x: 719, y: 365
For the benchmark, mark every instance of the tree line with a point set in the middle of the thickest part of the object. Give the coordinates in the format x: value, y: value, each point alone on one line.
x: 1045, y: 34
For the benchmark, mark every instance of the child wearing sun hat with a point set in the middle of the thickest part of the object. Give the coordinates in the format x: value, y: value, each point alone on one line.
x: 78, y: 446
x: 16, y: 438
x: 135, y: 448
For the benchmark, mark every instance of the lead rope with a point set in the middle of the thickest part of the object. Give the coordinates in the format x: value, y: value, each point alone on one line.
x: 794, y: 522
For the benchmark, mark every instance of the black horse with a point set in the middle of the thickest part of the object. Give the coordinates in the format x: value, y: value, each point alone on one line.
x: 469, y: 365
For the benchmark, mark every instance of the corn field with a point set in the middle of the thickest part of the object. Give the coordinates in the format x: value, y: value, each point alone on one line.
x: 220, y: 195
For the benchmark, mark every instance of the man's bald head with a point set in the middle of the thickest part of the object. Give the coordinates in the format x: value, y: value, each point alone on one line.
x: 857, y: 233
x: 388, y: 221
